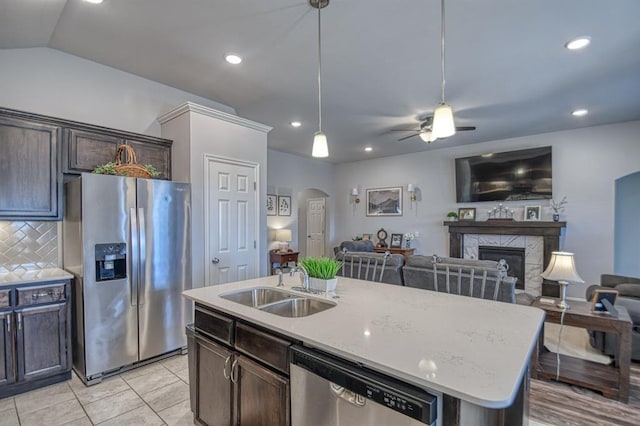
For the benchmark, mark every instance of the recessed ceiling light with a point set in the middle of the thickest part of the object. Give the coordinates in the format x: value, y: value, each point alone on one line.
x: 296, y: 124
x: 93, y: 1
x: 580, y: 112
x: 232, y: 58
x: 368, y: 149
x: 578, y: 43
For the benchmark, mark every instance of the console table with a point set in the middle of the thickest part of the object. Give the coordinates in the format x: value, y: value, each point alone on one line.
x: 611, y: 380
x: 406, y: 252
x: 281, y: 258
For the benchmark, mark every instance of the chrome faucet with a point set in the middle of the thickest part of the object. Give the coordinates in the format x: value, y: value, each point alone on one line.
x: 304, y: 274
x: 280, y: 278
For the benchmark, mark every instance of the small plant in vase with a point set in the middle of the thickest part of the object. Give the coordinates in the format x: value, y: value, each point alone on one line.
x: 408, y: 237
x: 557, y: 207
x: 452, y: 216
x: 322, y: 272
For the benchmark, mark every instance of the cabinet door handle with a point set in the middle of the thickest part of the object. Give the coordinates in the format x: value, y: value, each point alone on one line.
x: 224, y: 370
x: 19, y: 321
x: 234, y: 371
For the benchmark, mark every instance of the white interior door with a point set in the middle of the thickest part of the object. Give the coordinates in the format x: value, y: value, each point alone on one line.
x: 230, y: 220
x: 315, y: 227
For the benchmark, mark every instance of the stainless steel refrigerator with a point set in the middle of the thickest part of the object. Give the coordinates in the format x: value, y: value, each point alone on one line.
x: 127, y: 243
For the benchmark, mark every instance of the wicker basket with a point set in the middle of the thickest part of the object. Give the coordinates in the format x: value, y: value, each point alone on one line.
x: 131, y: 168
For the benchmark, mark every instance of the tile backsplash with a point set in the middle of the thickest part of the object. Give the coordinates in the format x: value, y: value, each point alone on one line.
x: 28, y: 245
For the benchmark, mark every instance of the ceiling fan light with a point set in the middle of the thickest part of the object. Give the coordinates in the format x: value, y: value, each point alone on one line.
x: 427, y: 136
x: 320, y: 148
x: 443, y: 125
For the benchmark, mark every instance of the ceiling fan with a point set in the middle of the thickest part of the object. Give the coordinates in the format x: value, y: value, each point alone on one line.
x: 426, y: 128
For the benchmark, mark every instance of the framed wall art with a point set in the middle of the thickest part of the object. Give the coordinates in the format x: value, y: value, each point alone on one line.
x: 531, y: 213
x: 284, y: 205
x: 384, y: 201
x: 272, y: 205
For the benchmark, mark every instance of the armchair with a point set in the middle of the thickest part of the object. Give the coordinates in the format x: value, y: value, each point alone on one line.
x: 629, y: 297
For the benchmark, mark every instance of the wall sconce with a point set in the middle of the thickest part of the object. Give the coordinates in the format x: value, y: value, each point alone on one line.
x: 411, y: 189
x: 355, y: 194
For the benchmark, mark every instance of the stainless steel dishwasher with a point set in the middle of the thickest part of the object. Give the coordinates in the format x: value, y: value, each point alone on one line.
x: 327, y: 391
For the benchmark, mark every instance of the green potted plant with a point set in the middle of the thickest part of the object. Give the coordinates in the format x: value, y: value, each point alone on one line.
x: 452, y: 216
x: 322, y: 272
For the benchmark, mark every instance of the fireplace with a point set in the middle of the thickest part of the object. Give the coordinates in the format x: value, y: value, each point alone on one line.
x: 538, y: 238
x: 514, y: 256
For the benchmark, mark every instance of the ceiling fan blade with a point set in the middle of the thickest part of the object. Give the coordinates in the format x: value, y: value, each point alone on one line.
x: 404, y: 130
x: 407, y: 137
x: 464, y: 128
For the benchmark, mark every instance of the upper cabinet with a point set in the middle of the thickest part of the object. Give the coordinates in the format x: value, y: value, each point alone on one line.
x: 30, y: 179
x: 35, y: 150
x: 86, y: 150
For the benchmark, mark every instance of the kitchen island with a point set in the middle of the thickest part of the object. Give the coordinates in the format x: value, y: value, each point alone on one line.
x: 473, y: 353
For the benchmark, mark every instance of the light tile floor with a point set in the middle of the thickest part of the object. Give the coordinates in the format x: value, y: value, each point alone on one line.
x: 156, y: 394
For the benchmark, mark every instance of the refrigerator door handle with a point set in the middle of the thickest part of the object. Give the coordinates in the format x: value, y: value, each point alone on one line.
x: 143, y: 255
x: 133, y: 257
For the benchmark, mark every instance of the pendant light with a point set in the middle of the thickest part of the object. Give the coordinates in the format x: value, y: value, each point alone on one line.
x: 443, y: 125
x: 320, y: 148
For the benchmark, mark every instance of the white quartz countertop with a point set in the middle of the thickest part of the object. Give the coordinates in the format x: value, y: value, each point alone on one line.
x: 473, y: 349
x: 21, y: 277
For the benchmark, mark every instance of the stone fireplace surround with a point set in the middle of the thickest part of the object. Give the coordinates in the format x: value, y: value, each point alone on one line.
x: 538, y: 239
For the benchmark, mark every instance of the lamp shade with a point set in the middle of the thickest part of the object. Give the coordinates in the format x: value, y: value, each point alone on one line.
x: 427, y: 136
x: 443, y: 125
x: 320, y: 148
x: 283, y: 235
x: 561, y: 268
x: 354, y: 192
x: 410, y: 187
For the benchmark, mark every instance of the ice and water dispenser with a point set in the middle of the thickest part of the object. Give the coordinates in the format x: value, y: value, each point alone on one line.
x: 111, y: 261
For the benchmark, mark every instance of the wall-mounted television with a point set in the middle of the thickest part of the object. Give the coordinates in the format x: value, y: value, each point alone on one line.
x: 504, y: 176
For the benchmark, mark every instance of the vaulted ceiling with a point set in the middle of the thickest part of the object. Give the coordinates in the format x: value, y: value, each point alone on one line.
x: 507, y: 69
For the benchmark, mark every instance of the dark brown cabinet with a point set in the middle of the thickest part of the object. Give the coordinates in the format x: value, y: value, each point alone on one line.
x: 86, y: 150
x: 41, y: 338
x: 36, y: 338
x: 238, y: 375
x: 30, y: 179
x: 6, y: 350
x: 35, y: 151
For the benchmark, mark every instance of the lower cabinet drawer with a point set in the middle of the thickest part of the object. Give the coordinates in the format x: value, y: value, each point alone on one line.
x: 214, y: 325
x: 5, y: 298
x: 41, y: 294
x: 265, y: 347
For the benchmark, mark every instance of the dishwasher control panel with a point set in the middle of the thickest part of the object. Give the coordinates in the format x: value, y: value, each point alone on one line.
x: 392, y: 393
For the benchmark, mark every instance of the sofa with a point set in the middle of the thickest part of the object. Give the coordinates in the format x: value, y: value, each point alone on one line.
x: 360, y: 260
x: 628, y: 296
x: 455, y: 276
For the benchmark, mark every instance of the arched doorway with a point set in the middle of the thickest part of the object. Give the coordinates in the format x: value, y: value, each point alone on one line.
x: 626, y: 243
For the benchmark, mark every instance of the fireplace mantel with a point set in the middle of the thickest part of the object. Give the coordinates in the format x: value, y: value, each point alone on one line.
x: 549, y: 231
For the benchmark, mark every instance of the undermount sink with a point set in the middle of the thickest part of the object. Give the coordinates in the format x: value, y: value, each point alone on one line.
x: 298, y: 307
x: 278, y: 302
x: 257, y: 296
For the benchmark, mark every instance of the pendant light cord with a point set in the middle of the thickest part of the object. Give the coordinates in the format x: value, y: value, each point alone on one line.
x: 319, y: 72
x: 442, y: 47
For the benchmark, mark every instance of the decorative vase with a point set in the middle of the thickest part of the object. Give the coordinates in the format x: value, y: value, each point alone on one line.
x: 408, y: 243
x: 556, y: 217
x: 323, y: 285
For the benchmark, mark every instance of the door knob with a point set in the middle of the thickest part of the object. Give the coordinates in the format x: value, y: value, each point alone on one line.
x: 308, y: 236
x: 215, y: 260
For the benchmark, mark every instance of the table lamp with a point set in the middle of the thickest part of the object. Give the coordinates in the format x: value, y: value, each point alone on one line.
x: 283, y: 236
x: 563, y: 270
